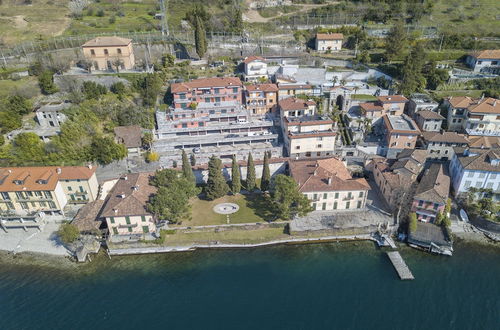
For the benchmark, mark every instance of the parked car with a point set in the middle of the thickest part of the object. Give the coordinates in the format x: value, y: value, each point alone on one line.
x: 196, y: 150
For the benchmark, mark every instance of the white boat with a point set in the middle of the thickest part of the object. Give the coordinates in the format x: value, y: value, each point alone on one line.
x: 463, y: 216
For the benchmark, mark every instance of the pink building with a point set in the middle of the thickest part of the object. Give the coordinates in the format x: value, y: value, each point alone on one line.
x: 432, y: 193
x: 207, y: 91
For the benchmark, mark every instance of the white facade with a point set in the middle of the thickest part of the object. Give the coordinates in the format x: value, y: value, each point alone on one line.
x: 255, y: 69
x: 483, y: 64
x: 462, y: 179
x: 337, y: 200
x: 328, y: 45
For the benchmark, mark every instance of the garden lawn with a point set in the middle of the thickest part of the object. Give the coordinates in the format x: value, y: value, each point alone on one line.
x: 366, y: 97
x: 253, y: 208
x: 230, y: 236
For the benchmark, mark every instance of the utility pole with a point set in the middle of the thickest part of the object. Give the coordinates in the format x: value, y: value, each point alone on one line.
x: 164, y: 22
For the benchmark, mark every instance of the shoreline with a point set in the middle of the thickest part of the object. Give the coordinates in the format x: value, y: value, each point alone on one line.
x: 45, y: 260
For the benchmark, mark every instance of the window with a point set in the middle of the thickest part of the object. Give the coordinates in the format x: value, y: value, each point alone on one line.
x: 349, y: 195
x: 335, y: 204
x: 235, y: 89
x: 478, y: 184
x: 359, y: 204
x: 143, y: 218
x: 408, y: 144
x: 347, y: 205
x: 470, y: 174
x: 69, y: 188
x: 360, y: 194
x: 489, y: 185
x: 112, y: 219
x: 145, y: 229
x: 482, y: 175
x: 420, y: 203
x: 336, y: 195
x: 47, y: 194
x: 493, y: 176
x: 106, y: 52
x: 184, y: 125
x: 127, y: 220
x: 119, y: 51
x: 315, y: 196
x: 325, y: 196
x: 308, y: 154
x: 297, y: 147
x: 5, y: 196
x: 24, y: 205
x: 19, y: 195
x: 81, y: 189
x: 324, y: 206
x: 52, y: 205
x: 319, y: 139
x: 92, y: 52
x: 115, y: 231
x: 320, y: 146
x: 467, y: 184
x: 129, y: 229
x: 314, y: 206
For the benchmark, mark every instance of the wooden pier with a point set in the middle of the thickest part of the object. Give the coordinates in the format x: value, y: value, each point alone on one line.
x: 400, y: 266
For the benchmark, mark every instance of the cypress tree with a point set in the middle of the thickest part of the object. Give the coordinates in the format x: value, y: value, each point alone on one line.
x: 216, y: 184
x: 200, y: 38
x: 250, y: 173
x: 236, y: 177
x: 193, y: 160
x: 187, y: 171
x: 266, y: 174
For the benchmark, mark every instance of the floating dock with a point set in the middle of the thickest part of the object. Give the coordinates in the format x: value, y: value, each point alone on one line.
x: 400, y: 266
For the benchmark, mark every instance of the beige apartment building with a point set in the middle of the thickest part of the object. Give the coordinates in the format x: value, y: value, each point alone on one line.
x: 401, y: 133
x: 125, y: 210
x: 309, y: 136
x: 329, y: 185
x: 393, y: 105
x: 26, y: 190
x: 327, y: 42
x: 108, y: 53
x: 260, y: 99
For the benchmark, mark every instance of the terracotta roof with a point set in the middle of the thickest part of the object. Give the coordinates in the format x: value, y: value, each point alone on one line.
x: 130, y: 136
x: 371, y: 106
x: 253, y: 58
x: 293, y: 103
x: 293, y: 86
x: 487, y: 54
x: 329, y: 36
x: 392, y: 99
x: 410, y: 161
x: 460, y: 101
x: 430, y: 115
x: 434, y: 186
x: 107, y: 41
x: 447, y: 137
x: 487, y: 105
x: 40, y: 178
x: 129, y: 196
x: 308, y: 120
x: 86, y: 218
x: 484, y: 142
x: 328, y: 174
x: 205, y: 83
x: 262, y: 87
x: 478, y: 159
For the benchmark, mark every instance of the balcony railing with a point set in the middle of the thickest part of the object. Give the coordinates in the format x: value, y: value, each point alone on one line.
x: 348, y: 198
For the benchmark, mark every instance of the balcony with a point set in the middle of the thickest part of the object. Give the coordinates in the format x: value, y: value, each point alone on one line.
x: 33, y: 199
x: 348, y: 198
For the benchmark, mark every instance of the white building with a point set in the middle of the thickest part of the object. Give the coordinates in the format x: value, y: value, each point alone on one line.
x: 475, y: 116
x: 328, y: 184
x: 327, y: 42
x: 255, y: 68
x: 485, y: 61
x: 478, y: 168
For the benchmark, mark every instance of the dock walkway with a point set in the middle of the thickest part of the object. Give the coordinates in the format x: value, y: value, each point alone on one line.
x: 400, y: 266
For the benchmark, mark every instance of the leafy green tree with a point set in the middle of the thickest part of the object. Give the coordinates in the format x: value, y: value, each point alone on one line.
x: 395, y: 41
x: 251, y: 177
x: 68, y: 233
x: 105, y: 150
x: 147, y: 140
x: 46, y: 82
x: 412, y: 222
x: 19, y: 104
x: 28, y: 148
x: 187, y: 171
x: 200, y: 38
x: 413, y: 79
x: 93, y: 90
x: 148, y: 86
x: 199, y: 11
x: 169, y: 204
x: 446, y: 222
x: 266, y: 174
x: 286, y: 198
x: 439, y: 219
x: 167, y: 60
x: 9, y: 121
x: 2, y: 140
x: 434, y: 76
x: 363, y: 57
x: 235, y: 177
x: 216, y: 184
x: 118, y: 88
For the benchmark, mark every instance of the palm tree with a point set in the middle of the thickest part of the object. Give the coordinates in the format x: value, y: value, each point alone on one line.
x: 355, y: 88
x: 334, y: 80
x: 342, y: 82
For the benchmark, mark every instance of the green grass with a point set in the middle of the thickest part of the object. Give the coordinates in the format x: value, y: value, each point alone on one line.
x: 466, y: 16
x: 275, y: 11
x: 229, y: 236
x: 253, y: 208
x: 26, y: 86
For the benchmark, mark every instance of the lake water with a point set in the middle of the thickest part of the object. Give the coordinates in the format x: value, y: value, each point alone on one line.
x: 327, y: 286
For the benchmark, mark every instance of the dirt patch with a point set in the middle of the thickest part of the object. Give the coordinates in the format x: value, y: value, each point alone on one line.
x: 253, y: 16
x: 20, y: 21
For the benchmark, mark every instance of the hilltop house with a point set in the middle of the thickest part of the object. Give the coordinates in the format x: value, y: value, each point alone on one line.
x: 484, y: 61
x: 327, y: 42
x: 328, y: 184
x: 109, y: 53
x: 432, y: 193
x: 429, y: 121
x: 125, y: 209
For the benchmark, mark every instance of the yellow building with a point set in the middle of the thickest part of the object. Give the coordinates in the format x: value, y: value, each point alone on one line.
x: 261, y: 98
x: 45, y: 189
x: 125, y: 210
x: 109, y: 53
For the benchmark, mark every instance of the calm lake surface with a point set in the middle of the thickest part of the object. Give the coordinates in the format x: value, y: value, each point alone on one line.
x: 328, y: 286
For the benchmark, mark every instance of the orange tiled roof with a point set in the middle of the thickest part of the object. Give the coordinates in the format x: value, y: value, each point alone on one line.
x: 41, y: 178
x: 293, y: 103
x: 253, y: 58
x: 328, y: 174
x: 329, y: 36
x: 392, y: 99
x: 262, y: 87
x: 107, y: 41
x: 488, y: 54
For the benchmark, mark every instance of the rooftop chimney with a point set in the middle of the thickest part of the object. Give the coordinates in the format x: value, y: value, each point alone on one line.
x: 58, y: 170
x: 329, y: 180
x: 89, y: 166
x: 125, y: 177
x: 121, y: 195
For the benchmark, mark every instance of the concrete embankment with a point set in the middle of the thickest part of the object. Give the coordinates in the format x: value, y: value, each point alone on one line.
x: 192, y: 247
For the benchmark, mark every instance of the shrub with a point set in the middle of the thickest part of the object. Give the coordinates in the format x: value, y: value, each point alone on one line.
x: 412, y: 222
x: 68, y: 233
x: 100, y: 13
x: 152, y: 157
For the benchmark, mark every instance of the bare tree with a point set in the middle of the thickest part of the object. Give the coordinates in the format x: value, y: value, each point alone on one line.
x: 117, y: 63
x: 76, y: 7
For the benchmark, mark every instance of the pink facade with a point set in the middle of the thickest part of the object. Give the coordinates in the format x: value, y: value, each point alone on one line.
x: 209, y: 90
